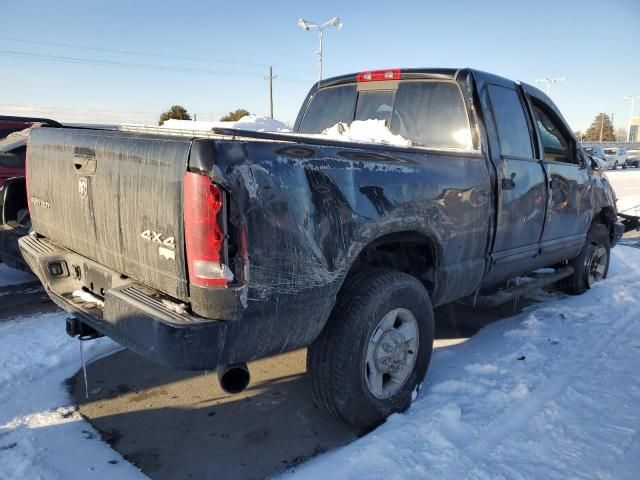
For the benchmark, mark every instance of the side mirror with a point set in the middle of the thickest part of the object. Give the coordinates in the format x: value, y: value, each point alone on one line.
x: 595, y: 164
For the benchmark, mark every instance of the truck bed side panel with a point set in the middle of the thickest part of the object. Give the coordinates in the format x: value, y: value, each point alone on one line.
x: 308, y: 211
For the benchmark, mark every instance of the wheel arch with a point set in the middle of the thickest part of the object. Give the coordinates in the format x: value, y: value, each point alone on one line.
x: 606, y: 216
x: 409, y: 251
x: 14, y: 198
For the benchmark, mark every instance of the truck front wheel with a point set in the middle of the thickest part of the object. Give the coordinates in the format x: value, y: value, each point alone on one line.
x: 375, y: 349
x: 592, y: 265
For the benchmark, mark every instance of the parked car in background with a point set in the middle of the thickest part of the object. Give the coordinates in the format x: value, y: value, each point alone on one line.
x: 616, y: 157
x: 596, y: 151
x: 633, y: 158
x: 613, y: 156
x: 10, y: 124
x: 14, y: 213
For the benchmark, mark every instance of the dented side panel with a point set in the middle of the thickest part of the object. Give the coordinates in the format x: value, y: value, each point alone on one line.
x: 302, y: 213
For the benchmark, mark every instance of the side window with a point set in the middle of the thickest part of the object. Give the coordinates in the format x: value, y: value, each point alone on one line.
x: 558, y: 146
x: 513, y: 129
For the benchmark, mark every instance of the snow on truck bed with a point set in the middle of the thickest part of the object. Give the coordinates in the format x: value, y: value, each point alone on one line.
x: 551, y: 393
x: 358, y: 131
x: 253, y: 123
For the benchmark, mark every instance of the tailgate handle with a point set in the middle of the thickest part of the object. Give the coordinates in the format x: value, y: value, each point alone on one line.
x: 84, y: 165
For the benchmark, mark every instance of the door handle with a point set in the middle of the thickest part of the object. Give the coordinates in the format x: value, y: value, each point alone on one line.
x: 508, y: 184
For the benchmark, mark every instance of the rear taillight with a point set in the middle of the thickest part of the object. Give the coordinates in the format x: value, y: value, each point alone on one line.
x: 204, y: 238
x: 379, y: 75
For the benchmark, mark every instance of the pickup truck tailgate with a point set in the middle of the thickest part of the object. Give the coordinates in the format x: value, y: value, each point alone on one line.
x: 115, y: 198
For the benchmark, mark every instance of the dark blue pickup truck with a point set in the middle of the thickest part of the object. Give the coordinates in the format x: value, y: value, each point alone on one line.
x: 207, y: 251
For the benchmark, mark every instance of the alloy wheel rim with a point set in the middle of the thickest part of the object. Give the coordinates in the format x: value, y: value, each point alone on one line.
x: 597, y: 265
x: 391, y: 353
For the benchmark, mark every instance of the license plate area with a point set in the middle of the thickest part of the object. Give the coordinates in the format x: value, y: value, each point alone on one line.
x: 96, y: 280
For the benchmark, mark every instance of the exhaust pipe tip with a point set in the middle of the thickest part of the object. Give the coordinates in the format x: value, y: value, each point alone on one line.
x: 234, y: 378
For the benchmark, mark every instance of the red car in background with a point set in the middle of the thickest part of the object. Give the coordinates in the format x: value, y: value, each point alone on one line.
x: 14, y: 133
x: 14, y: 213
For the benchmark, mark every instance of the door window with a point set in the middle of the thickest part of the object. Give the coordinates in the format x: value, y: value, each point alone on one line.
x: 513, y: 129
x: 557, y: 144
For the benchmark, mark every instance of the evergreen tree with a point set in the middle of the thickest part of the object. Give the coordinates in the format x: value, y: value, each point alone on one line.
x: 601, y: 129
x: 177, y: 112
x: 235, y: 115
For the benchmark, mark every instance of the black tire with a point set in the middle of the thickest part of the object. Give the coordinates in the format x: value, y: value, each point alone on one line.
x: 580, y: 281
x: 336, y: 361
x: 24, y: 218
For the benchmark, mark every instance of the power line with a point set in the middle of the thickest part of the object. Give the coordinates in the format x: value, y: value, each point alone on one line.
x: 139, y: 66
x: 149, y: 54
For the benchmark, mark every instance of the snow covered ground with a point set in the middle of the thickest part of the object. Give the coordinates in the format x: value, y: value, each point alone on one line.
x: 551, y: 393
x: 626, y: 183
x: 9, y: 276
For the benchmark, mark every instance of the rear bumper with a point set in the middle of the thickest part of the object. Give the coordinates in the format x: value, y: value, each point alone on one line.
x: 139, y: 318
x: 9, y: 251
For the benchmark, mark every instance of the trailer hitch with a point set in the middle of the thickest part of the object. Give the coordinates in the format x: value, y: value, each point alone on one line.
x: 630, y: 222
x: 77, y: 328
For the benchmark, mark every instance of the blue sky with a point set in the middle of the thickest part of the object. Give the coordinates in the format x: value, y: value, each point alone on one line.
x: 594, y: 44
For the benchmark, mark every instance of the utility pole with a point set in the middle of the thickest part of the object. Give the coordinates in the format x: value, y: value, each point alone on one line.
x: 270, y: 78
x: 633, y: 99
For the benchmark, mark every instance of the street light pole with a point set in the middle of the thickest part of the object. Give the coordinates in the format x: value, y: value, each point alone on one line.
x: 633, y: 99
x: 549, y: 82
x: 321, y: 31
x: 306, y: 26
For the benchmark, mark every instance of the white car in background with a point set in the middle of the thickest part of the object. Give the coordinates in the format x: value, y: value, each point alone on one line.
x: 633, y: 158
x: 616, y: 157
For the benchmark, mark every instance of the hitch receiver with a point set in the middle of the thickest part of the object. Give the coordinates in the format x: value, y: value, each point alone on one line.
x: 77, y: 328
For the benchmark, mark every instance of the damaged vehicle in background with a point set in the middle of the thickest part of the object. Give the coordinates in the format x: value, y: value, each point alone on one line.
x: 14, y: 213
x: 208, y: 251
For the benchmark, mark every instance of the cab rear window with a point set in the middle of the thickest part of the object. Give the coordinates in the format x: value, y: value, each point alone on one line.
x: 428, y: 113
x: 328, y: 107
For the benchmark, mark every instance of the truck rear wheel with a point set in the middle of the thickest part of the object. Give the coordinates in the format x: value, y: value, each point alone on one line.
x: 375, y: 349
x: 592, y: 265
